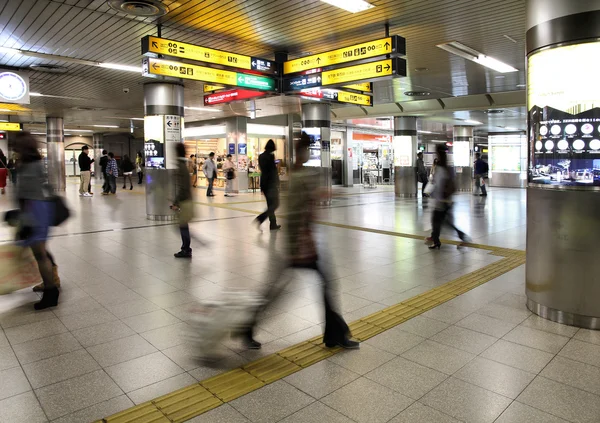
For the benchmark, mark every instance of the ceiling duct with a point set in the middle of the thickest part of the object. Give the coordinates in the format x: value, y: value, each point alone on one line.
x: 144, y: 8
x: 48, y: 68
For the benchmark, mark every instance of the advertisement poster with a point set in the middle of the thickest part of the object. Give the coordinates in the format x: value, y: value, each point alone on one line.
x: 242, y: 149
x: 231, y: 148
x: 564, y: 116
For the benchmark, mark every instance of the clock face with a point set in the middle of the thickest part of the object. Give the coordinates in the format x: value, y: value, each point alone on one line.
x: 12, y: 86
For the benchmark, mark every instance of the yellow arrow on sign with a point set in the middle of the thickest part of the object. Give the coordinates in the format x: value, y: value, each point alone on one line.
x: 9, y: 126
x: 366, y: 87
x: 358, y: 72
x: 185, y: 70
x: 210, y: 88
x: 354, y: 98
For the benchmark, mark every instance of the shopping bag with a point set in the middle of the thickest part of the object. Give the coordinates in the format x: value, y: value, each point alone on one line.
x: 482, y: 182
x: 18, y: 268
x: 429, y: 188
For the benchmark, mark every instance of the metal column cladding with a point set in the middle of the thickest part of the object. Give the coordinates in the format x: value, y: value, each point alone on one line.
x: 162, y: 98
x: 405, y: 150
x: 463, y: 133
x: 316, y: 115
x: 55, y: 145
x: 98, y: 140
x: 405, y: 125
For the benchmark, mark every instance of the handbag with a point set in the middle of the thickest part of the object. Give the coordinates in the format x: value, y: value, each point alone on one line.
x: 429, y: 188
x: 230, y: 174
x: 61, y: 211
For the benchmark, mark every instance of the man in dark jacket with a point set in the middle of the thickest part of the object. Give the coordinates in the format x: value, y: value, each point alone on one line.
x: 481, y: 173
x: 422, y: 173
x: 103, y: 163
x: 85, y: 168
x: 183, y: 201
x: 269, y: 185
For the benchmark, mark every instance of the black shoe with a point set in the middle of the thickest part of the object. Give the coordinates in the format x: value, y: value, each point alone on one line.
x: 49, y: 299
x: 130, y: 188
x: 434, y: 246
x: 483, y: 195
x: 346, y: 344
x: 275, y: 227
x: 252, y: 344
x: 183, y: 254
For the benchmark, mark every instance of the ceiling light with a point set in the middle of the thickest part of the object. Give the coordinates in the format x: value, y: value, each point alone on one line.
x: 352, y: 6
x: 78, y: 130
x: 9, y: 50
x: 116, y: 66
x: 37, y: 133
x: 468, y: 53
x: 473, y: 122
x: 521, y: 85
x: 425, y: 132
x: 5, y: 110
x: 510, y: 128
x: 203, y: 109
x: 417, y: 93
x: 105, y: 126
x: 35, y: 94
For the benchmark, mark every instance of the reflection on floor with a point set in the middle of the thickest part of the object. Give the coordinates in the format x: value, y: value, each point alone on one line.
x: 116, y: 338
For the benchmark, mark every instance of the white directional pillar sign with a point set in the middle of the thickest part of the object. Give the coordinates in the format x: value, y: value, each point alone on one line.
x: 172, y: 135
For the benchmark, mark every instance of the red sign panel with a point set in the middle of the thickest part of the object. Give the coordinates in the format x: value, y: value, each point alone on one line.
x: 229, y: 96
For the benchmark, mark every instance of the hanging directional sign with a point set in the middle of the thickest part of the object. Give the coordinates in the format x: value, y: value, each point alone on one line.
x: 390, y: 45
x: 155, y: 45
x: 231, y: 95
x: 371, y: 70
x: 366, y: 87
x: 302, y: 82
x: 159, y: 67
x: 338, y: 96
x: 210, y: 88
x: 11, y: 126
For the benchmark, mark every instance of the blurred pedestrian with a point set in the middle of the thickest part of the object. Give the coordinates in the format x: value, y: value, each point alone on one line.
x: 112, y: 170
x: 481, y: 173
x: 36, y: 214
x: 422, y: 173
x: 183, y: 201
x: 302, y: 251
x: 139, y: 163
x: 13, y: 164
x: 229, y: 172
x: 444, y: 188
x: 85, y: 167
x: 127, y: 166
x: 210, y: 171
x: 269, y: 185
x: 193, y: 170
x: 3, y: 172
x: 103, y: 164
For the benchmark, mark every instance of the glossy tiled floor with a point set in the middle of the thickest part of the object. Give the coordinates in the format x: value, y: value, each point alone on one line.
x: 117, y: 337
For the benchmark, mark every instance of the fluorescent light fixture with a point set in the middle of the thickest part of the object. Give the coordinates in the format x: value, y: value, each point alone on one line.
x: 473, y: 122
x: 425, y: 132
x: 78, y: 130
x: 35, y: 94
x: 352, y: 6
x: 38, y: 133
x: 510, y: 128
x: 5, y: 110
x: 468, y: 53
x: 105, y: 126
x: 8, y: 50
x: 207, y: 130
x: 116, y: 66
x: 203, y: 109
x: 258, y: 129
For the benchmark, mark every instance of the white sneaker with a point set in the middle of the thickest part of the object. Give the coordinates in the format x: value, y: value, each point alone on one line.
x: 87, y: 194
x: 81, y: 194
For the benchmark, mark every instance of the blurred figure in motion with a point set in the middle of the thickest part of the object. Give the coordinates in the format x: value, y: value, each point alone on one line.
x: 432, y: 170
x: 269, y: 185
x: 36, y: 214
x: 443, y: 191
x: 3, y: 172
x: 13, y: 164
x: 194, y: 170
x: 210, y: 171
x: 85, y: 168
x: 302, y: 250
x: 127, y: 167
x: 112, y: 171
x: 139, y: 163
x: 481, y: 174
x: 422, y: 173
x: 103, y: 164
x: 183, y: 201
x: 229, y: 172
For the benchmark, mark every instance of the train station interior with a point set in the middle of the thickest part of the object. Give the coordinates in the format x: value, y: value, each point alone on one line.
x: 365, y: 127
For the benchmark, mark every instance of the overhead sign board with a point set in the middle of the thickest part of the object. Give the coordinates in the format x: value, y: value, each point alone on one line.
x: 156, y: 45
x: 302, y: 82
x: 10, y: 126
x: 231, y: 95
x: 390, y: 45
x: 366, y: 87
x: 159, y: 67
x: 371, y: 70
x: 208, y: 88
x: 338, y: 96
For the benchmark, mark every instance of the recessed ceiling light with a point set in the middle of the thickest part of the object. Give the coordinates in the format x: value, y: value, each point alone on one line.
x: 417, y: 93
x: 521, y: 85
x: 352, y: 6
x: 117, y: 66
x: 203, y: 109
x: 78, y: 130
x: 473, y: 122
x: 494, y: 111
x: 421, y: 69
x: 469, y: 53
x: 105, y: 126
x: 35, y: 94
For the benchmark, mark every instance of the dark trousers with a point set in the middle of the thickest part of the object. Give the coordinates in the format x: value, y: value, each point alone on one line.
x: 185, y: 237
x: 336, y: 329
x: 272, y: 196
x: 112, y: 181
x: 140, y: 177
x: 106, y: 184
x: 443, y: 214
x: 209, y: 190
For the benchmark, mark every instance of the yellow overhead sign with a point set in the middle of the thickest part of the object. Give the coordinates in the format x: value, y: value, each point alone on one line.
x: 354, y: 98
x: 359, y: 72
x: 9, y: 126
x: 361, y: 51
x: 365, y: 87
x: 210, y: 88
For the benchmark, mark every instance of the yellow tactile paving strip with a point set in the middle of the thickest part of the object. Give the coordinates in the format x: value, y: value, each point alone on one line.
x: 201, y: 397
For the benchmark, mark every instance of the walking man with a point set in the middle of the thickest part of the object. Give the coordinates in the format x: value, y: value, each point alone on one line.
x: 103, y: 164
x: 85, y: 167
x: 183, y: 201
x: 422, y: 173
x: 210, y: 171
x: 481, y: 174
x: 112, y: 169
x: 269, y: 185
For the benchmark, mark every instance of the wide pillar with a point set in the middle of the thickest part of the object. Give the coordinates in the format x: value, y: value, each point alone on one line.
x: 163, y: 122
x: 405, y: 152
x: 316, y: 122
x: 237, y: 138
x: 462, y: 153
x: 55, y: 147
x: 563, y: 194
x: 98, y: 140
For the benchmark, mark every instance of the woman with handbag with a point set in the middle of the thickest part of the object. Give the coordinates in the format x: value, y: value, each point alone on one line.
x: 229, y: 172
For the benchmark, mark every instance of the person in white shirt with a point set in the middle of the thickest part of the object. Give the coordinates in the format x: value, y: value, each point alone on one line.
x: 210, y: 171
x: 229, y: 172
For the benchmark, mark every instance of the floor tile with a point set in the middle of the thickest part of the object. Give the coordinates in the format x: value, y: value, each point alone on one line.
x: 321, y: 379
x: 447, y: 314
x: 438, y: 356
x: 132, y: 308
x: 561, y: 400
x: 284, y: 324
x: 519, y: 356
x: 502, y: 312
x: 154, y: 289
x: 82, y: 305
x: 153, y: 320
x: 464, y: 339
x: 14, y: 382
x: 22, y: 408
x: 143, y: 371
x: 521, y: 413
x: 3, y: 340
x: 423, y: 326
x: 317, y: 412
x: 91, y: 318
x: 7, y: 358
x: 161, y: 388
x: 75, y: 394
x: 28, y: 332
x: 464, y: 401
x: 172, y: 299
x: 419, y: 413
x: 495, y: 377
x: 395, y: 341
x: 485, y: 324
x: 303, y: 335
x: 98, y: 411
x: 363, y: 360
x: 59, y: 368
x: 573, y: 373
x: 586, y: 335
x: 120, y: 350
x: 100, y: 334
x: 582, y: 351
x: 366, y: 401
x: 271, y: 403
x: 536, y: 322
x: 39, y: 349
x: 407, y: 377
x: 167, y: 336
x: 534, y: 338
x: 222, y: 414
x: 24, y: 315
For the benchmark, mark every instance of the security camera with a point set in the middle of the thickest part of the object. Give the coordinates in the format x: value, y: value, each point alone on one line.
x: 126, y: 90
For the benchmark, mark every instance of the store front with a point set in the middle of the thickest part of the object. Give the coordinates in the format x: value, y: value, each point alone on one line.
x: 507, y: 155
x: 373, y: 155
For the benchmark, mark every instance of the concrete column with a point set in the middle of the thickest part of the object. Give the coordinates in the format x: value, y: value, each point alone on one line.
x: 55, y: 146
x: 405, y: 153
x: 317, y: 117
x: 462, y: 149
x: 98, y: 140
x: 348, y: 159
x: 563, y: 202
x: 163, y: 110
